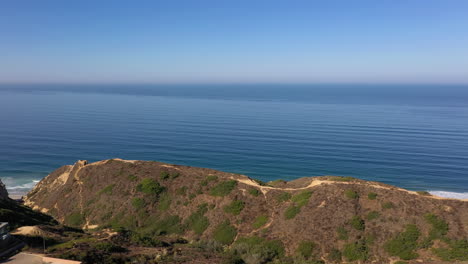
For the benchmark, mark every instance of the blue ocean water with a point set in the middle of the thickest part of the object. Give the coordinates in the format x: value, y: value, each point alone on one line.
x: 412, y: 136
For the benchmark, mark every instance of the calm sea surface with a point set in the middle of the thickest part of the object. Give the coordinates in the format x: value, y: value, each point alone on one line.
x: 414, y: 137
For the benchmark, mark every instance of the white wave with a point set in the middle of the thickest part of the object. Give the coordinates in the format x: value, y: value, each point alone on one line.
x: 26, y: 186
x: 456, y: 195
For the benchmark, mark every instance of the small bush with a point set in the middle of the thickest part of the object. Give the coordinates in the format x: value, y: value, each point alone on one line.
x: 223, y: 188
x: 357, y: 223
x: 132, y: 177
x: 388, y: 205
x: 254, y: 192
x: 261, y: 183
x: 164, y: 202
x: 306, y: 249
x: 108, y: 247
x: 224, y: 233
x: 150, y: 186
x: 283, y: 197
x: 138, y: 203
x: 404, y: 244
x: 107, y: 190
x: 372, y: 196
x: 457, y: 250
x: 356, y: 251
x: 167, y: 225
x: 208, y: 179
x: 335, y: 255
x: 439, y: 226
x: 301, y: 198
x: 372, y: 215
x: 165, y: 175
x: 235, y: 207
x: 75, y: 219
x: 197, y: 221
x: 291, y: 212
x: 182, y: 190
x: 260, y: 221
x: 258, y: 250
x: 351, y: 194
x: 342, y: 233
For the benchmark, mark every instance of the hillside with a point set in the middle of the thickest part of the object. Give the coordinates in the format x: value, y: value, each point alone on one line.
x: 308, y: 220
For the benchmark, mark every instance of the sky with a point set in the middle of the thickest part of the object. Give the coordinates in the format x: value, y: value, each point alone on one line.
x: 241, y: 41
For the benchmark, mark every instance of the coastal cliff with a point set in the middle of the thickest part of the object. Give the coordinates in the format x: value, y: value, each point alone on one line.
x: 309, y: 220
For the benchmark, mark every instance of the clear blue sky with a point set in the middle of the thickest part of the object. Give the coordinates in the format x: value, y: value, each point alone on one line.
x: 403, y: 41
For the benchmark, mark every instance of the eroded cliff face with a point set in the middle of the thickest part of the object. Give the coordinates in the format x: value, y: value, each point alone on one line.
x: 355, y: 218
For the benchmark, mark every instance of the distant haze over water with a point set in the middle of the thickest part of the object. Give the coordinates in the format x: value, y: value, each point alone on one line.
x: 412, y: 136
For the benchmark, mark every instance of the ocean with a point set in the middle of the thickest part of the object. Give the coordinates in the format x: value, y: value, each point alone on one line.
x: 411, y: 136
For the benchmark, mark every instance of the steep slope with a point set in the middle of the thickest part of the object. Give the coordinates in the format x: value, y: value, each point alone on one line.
x: 18, y: 215
x: 331, y: 219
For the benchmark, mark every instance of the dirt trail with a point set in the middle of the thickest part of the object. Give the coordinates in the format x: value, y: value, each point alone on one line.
x: 316, y: 182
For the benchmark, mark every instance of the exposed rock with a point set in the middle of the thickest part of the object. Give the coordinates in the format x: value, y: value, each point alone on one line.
x: 3, y: 191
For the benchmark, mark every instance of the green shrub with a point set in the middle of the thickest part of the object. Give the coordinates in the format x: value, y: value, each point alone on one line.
x: 291, y: 212
x: 457, y: 250
x: 108, y: 247
x: 356, y: 251
x: 235, y: 207
x: 342, y: 233
x: 167, y: 225
x: 224, y: 233
x: 258, y: 250
x: 388, y: 205
x: 75, y: 219
x: 260, y: 221
x: 132, y: 177
x: 254, y: 192
x: 165, y: 175
x: 261, y: 183
x: 301, y: 198
x: 138, y: 203
x: 150, y: 186
x: 404, y: 244
x: 223, y: 188
x: 373, y: 215
x: 439, y: 226
x: 401, y: 262
x: 208, y: 179
x: 351, y: 194
x: 283, y: 197
x: 197, y: 221
x: 357, y: 223
x: 182, y: 190
x: 335, y: 255
x: 107, y: 190
x: 164, y: 202
x: 372, y: 196
x: 306, y: 249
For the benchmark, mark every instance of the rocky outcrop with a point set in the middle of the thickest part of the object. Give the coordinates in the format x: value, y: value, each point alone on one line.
x: 3, y: 191
x: 351, y: 218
